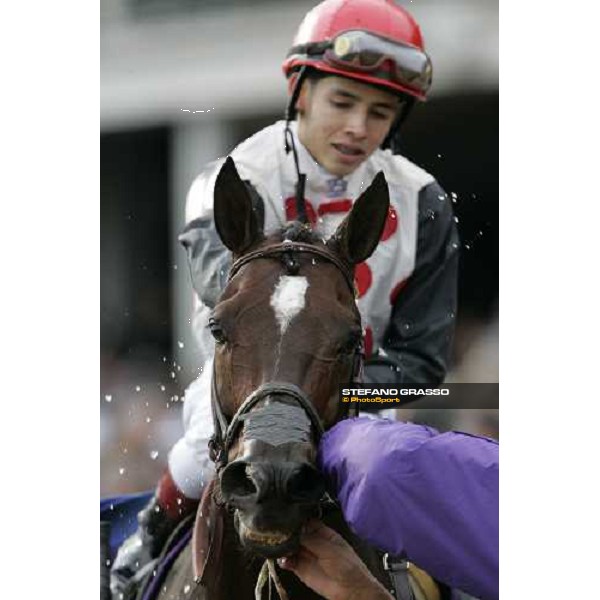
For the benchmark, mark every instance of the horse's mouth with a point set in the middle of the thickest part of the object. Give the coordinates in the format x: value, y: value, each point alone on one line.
x: 270, y: 544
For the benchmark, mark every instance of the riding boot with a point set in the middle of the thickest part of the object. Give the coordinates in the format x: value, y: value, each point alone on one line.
x: 156, y: 522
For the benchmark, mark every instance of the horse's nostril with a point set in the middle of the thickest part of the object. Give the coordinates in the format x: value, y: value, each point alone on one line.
x: 235, y: 480
x: 305, y: 484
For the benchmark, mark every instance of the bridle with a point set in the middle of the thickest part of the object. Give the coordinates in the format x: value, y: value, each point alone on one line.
x: 224, y: 430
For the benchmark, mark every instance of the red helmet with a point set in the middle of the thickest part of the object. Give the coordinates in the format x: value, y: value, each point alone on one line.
x: 372, y: 41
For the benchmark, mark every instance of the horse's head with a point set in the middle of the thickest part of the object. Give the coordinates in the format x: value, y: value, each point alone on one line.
x: 288, y: 334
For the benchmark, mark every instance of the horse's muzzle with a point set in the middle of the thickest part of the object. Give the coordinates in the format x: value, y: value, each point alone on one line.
x: 271, y: 502
x: 245, y: 483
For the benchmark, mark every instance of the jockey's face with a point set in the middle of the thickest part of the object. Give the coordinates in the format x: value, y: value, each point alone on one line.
x: 341, y: 122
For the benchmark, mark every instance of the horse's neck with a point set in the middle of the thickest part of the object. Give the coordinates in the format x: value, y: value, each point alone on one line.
x: 237, y: 572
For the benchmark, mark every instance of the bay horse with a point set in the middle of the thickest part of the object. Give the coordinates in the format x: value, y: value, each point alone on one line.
x: 287, y: 335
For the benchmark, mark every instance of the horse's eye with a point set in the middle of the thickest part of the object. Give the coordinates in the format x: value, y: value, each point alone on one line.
x: 217, y: 331
x: 349, y: 346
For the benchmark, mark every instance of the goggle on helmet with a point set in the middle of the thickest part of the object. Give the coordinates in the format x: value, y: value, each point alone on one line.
x: 373, y: 41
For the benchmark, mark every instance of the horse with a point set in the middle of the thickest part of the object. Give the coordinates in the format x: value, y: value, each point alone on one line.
x: 287, y: 336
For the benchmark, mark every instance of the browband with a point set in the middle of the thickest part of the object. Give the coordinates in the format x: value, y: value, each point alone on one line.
x: 289, y: 246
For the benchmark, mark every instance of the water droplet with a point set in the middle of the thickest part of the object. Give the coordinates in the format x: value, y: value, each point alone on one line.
x: 108, y: 398
x: 162, y: 388
x: 456, y: 219
x: 154, y: 454
x: 455, y: 245
x: 442, y: 197
x: 186, y: 589
x: 107, y: 563
x: 467, y: 246
x: 137, y: 388
x: 179, y: 501
x: 175, y: 398
x: 175, y: 267
x: 121, y: 471
x: 172, y: 374
x: 164, y: 359
x: 148, y: 420
x: 179, y: 367
x: 439, y: 156
x: 180, y: 344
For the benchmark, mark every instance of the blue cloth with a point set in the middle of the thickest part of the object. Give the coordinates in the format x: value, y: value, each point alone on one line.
x: 410, y: 490
x: 121, y: 512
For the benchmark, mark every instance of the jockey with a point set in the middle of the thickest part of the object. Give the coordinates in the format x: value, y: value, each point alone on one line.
x: 355, y: 70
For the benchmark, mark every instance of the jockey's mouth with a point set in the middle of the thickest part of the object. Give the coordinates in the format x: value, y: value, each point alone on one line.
x: 349, y: 150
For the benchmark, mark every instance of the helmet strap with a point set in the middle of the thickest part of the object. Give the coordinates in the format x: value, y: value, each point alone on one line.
x: 290, y: 144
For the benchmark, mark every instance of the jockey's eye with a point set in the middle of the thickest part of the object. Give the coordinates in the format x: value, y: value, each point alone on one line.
x: 217, y: 331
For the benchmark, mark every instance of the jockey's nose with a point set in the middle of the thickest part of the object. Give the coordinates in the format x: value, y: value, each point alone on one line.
x: 244, y: 483
x: 356, y: 124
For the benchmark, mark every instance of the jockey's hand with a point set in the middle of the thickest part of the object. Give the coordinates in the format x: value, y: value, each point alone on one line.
x: 327, y: 564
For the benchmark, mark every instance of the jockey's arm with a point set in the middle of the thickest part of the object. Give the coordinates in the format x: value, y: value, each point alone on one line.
x: 418, y: 339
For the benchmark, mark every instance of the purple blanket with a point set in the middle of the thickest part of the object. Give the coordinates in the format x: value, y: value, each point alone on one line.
x: 407, y: 489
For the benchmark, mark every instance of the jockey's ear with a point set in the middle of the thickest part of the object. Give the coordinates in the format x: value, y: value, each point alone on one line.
x: 236, y: 220
x: 359, y: 233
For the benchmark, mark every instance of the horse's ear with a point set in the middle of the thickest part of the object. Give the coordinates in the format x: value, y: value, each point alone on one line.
x: 236, y: 221
x: 359, y: 233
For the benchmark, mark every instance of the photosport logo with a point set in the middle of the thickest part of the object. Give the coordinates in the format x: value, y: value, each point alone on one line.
x: 452, y: 395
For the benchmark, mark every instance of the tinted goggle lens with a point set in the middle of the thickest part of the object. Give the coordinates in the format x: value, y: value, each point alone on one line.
x: 357, y: 50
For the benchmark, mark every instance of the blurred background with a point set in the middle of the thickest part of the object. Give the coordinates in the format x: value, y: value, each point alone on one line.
x: 182, y: 83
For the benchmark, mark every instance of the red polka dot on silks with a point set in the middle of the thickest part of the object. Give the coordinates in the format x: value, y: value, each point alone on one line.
x: 363, y: 278
x: 368, y: 342
x: 391, y: 224
x: 396, y: 290
x: 291, y: 214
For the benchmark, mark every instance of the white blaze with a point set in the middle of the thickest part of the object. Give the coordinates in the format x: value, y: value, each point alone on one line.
x: 288, y: 299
